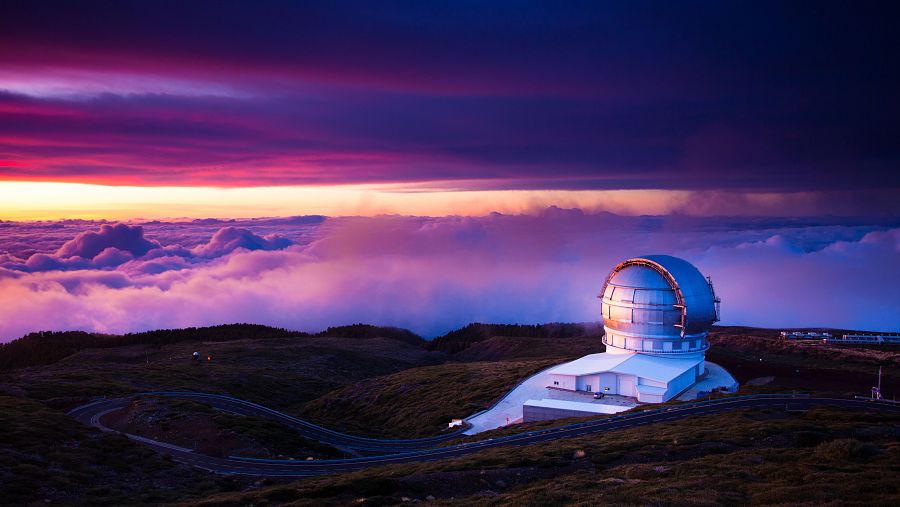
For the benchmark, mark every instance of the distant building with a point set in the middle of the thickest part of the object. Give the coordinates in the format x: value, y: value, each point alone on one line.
x: 865, y: 339
x: 800, y: 335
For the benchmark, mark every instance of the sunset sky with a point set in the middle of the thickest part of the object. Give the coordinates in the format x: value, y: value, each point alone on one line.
x: 430, y: 164
x: 359, y: 107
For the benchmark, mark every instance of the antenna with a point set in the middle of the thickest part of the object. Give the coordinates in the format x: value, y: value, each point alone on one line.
x: 876, y: 391
x: 879, y: 382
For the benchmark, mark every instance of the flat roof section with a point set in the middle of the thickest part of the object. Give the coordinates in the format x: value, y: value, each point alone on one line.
x: 661, y: 369
x: 591, y: 363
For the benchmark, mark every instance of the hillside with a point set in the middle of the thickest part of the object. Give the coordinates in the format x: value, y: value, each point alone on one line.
x: 388, y: 382
x: 49, y: 347
x: 765, y: 458
x: 420, y: 401
x: 48, y: 458
x: 459, y: 343
x: 281, y: 372
x: 807, y: 366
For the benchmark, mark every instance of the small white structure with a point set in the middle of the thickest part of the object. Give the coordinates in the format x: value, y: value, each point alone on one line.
x: 657, y: 311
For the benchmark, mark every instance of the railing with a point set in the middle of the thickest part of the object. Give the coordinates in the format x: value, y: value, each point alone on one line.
x: 702, y: 348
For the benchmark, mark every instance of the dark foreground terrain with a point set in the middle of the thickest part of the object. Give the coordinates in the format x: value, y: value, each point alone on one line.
x: 389, y: 383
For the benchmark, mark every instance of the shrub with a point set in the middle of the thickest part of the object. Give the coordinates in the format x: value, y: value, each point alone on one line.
x: 844, y: 449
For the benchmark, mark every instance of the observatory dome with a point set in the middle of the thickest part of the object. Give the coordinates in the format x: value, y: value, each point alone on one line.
x: 657, y: 304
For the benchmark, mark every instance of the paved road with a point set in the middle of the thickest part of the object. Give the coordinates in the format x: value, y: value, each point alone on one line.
x: 425, y: 449
x: 90, y: 414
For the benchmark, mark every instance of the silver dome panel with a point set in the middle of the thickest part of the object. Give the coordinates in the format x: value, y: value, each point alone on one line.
x: 657, y: 304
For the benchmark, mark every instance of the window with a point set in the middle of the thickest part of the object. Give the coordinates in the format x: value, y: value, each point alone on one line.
x: 624, y: 294
x: 587, y: 387
x: 609, y: 291
x: 648, y: 316
x: 555, y: 383
x: 620, y: 314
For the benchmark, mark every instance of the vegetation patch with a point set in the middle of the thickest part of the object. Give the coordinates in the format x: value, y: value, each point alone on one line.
x: 48, y: 458
x: 419, y: 401
x: 200, y: 427
x: 282, y: 373
x: 758, y: 459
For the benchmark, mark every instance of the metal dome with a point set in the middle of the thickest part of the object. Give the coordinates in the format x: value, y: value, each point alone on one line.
x: 657, y: 304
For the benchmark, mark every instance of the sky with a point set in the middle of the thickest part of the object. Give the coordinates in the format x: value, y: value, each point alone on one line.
x: 778, y: 101
x: 429, y: 164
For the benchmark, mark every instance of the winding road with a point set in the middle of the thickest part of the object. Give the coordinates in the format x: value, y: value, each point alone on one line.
x: 427, y: 449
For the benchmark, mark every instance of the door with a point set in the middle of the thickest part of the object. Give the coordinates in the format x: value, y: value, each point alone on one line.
x: 626, y: 385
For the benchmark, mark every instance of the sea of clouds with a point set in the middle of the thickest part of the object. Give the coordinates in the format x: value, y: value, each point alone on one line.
x: 432, y: 275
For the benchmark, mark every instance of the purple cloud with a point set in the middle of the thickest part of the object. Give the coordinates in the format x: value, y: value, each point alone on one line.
x: 125, y: 245
x: 229, y: 239
x: 435, y: 274
x: 122, y: 237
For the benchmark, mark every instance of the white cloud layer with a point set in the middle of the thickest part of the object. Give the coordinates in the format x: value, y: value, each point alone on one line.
x: 431, y: 274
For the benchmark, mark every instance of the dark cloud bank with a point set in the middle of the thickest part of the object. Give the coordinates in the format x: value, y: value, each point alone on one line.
x: 764, y: 95
x: 431, y: 274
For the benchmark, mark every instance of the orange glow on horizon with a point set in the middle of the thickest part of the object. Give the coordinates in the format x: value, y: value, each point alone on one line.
x: 24, y: 201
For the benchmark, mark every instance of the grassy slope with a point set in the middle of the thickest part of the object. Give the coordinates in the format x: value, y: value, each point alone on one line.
x: 807, y: 366
x: 419, y: 401
x: 45, y: 455
x: 510, y: 348
x: 282, y: 373
x: 823, y: 456
x: 198, y: 426
x: 328, y: 377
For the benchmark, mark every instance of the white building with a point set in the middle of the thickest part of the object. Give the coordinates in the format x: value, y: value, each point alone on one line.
x: 657, y: 311
x: 648, y: 378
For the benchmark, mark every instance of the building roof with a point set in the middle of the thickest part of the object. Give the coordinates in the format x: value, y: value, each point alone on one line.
x: 641, y: 277
x: 670, y: 297
x: 591, y: 363
x: 695, y: 289
x: 660, y: 369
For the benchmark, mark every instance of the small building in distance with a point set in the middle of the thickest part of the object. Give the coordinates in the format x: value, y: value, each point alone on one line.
x: 801, y: 335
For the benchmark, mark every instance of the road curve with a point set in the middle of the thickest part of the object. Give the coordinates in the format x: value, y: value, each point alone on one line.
x: 350, y: 443
x: 409, y: 451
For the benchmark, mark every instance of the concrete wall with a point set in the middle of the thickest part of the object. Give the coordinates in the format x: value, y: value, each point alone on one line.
x: 608, y: 380
x: 532, y: 414
x: 651, y: 398
x: 562, y: 381
x: 584, y: 381
x: 626, y: 385
x: 680, y: 383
